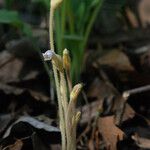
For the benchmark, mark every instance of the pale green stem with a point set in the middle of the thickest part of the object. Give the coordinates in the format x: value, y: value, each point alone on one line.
x: 74, y: 128
x: 63, y: 87
x: 70, y: 136
x: 64, y: 90
x: 63, y: 17
x: 69, y: 81
x: 61, y: 114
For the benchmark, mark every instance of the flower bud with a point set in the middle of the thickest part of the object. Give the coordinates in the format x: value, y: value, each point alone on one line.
x: 66, y: 60
x: 55, y: 3
x: 76, y: 91
x: 78, y: 116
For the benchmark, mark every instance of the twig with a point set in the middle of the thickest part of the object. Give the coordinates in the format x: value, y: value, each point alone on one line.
x: 127, y: 93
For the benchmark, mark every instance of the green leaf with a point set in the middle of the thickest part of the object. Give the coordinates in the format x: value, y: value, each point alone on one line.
x: 9, y: 17
x: 27, y: 30
x: 73, y: 37
x: 94, y: 3
x: 8, y: 3
x: 12, y: 18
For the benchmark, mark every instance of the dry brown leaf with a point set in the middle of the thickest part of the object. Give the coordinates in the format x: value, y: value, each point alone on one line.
x: 128, y: 113
x: 110, y: 133
x: 145, y: 61
x: 116, y: 59
x: 141, y: 142
x: 132, y: 18
x: 144, y: 13
x: 10, y: 67
x: 55, y: 147
x: 123, y: 111
x: 100, y: 89
x: 39, y: 95
x: 89, y: 111
x: 16, y: 146
x: 91, y: 145
x: 15, y: 71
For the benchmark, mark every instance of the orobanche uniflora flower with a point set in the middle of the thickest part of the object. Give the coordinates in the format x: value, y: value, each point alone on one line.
x: 48, y: 55
x: 55, y: 3
x: 57, y: 60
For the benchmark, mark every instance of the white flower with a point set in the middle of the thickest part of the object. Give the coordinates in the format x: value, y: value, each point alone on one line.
x: 48, y: 55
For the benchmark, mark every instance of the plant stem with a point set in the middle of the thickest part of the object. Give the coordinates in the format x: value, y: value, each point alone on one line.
x: 67, y: 112
x: 127, y: 93
x: 58, y: 32
x: 63, y: 87
x: 63, y: 18
x: 61, y: 114
x: 69, y: 80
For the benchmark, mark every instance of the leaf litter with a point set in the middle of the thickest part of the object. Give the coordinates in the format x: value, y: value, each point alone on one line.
x: 28, y: 114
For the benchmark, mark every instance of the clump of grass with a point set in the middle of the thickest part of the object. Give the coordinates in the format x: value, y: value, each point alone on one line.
x: 66, y: 95
x: 73, y: 23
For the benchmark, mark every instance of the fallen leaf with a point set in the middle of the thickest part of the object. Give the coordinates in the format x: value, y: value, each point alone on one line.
x: 38, y: 143
x: 89, y: 111
x: 10, y: 67
x: 34, y: 123
x: 16, y: 146
x: 128, y: 113
x: 32, y: 132
x: 116, y: 59
x: 141, y: 142
x: 16, y: 72
x: 145, y: 62
x: 4, y: 121
x: 144, y: 14
x: 132, y: 18
x: 110, y: 133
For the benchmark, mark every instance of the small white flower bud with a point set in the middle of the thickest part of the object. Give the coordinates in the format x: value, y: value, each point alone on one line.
x: 48, y: 55
x: 56, y: 59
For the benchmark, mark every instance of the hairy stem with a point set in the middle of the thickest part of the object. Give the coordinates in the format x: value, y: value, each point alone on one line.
x: 69, y: 80
x: 64, y: 100
x: 61, y: 113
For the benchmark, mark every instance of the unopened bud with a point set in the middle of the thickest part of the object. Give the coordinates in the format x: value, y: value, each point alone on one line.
x: 66, y: 60
x: 76, y: 91
x: 55, y: 3
x: 78, y: 116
